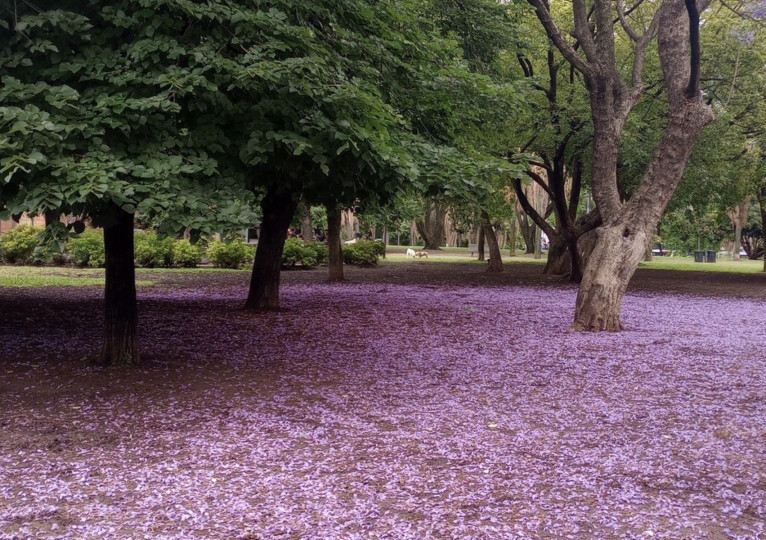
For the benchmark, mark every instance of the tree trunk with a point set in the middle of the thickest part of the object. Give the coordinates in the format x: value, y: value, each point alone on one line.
x: 559, y: 261
x: 610, y: 267
x: 413, y: 233
x: 761, y: 194
x: 431, y: 228
x: 495, y: 259
x: 278, y: 208
x: 307, y: 228
x: 335, y: 258
x: 512, y: 239
x: 480, y: 242
x: 527, y: 232
x: 121, y: 310
x: 538, y: 242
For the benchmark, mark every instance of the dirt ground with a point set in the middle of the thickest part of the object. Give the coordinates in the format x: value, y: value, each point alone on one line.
x: 417, y: 400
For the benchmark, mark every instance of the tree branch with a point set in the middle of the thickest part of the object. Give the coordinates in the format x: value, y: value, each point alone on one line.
x: 530, y: 211
x: 558, y: 39
x: 693, y: 89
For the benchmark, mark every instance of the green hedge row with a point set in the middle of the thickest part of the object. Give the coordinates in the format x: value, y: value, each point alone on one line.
x: 21, y: 246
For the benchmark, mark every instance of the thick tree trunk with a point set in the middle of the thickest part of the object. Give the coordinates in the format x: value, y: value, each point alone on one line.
x: 431, y: 228
x: 335, y: 258
x: 480, y: 242
x: 559, y: 260
x: 307, y: 227
x: 610, y: 267
x: 121, y: 310
x: 495, y: 259
x: 538, y: 242
x: 278, y: 208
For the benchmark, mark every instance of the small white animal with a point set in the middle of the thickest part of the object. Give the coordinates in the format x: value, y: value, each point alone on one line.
x: 410, y: 253
x: 421, y: 254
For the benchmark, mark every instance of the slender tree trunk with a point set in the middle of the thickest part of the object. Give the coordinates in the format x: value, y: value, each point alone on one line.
x: 307, y: 228
x: 538, y: 242
x: 480, y: 242
x: 495, y: 259
x: 121, y: 309
x: 512, y: 239
x: 761, y: 194
x: 413, y: 233
x: 335, y: 258
x: 278, y: 208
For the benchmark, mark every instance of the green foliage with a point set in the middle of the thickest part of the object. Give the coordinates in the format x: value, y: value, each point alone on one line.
x: 231, y: 254
x: 87, y: 249
x: 17, y: 246
x: 306, y: 254
x: 363, y: 252
x: 186, y: 254
x: 153, y: 252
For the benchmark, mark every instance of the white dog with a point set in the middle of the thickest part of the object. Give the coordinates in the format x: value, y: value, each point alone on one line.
x: 410, y: 253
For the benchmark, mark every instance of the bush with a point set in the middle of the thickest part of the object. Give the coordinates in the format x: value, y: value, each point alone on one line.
x: 364, y: 252
x: 152, y: 252
x: 230, y: 254
x: 307, y: 254
x: 186, y: 254
x: 18, y: 245
x: 87, y: 249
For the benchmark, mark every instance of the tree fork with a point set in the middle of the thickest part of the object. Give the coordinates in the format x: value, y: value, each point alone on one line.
x: 121, y: 309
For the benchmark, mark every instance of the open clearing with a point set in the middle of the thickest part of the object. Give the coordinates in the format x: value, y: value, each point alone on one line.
x: 418, y: 400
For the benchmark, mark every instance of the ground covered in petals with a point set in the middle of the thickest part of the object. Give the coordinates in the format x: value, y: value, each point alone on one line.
x: 390, y: 406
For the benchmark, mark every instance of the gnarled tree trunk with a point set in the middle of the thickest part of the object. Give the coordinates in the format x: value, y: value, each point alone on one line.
x: 431, y: 228
x: 121, y: 309
x: 278, y: 208
x: 335, y: 257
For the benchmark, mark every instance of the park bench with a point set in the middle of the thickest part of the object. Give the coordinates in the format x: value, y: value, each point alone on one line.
x: 474, y: 248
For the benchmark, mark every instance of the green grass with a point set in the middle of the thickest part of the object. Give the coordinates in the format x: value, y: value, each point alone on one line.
x: 32, y: 276
x: 687, y: 264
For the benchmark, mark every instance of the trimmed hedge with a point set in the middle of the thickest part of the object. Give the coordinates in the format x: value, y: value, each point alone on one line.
x: 363, y: 252
x: 306, y: 254
x: 17, y: 246
x: 231, y: 254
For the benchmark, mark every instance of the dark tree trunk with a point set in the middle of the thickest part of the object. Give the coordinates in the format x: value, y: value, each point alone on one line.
x: 761, y: 194
x: 559, y: 261
x: 480, y: 242
x: 278, y: 208
x: 121, y: 310
x: 432, y: 227
x: 495, y: 260
x: 335, y: 257
x: 307, y: 228
x: 527, y: 231
x: 512, y: 239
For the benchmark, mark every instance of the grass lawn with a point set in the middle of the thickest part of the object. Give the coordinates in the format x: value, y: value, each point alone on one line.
x: 33, y: 276
x: 743, y: 266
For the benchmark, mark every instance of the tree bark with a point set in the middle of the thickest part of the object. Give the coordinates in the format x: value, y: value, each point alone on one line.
x: 480, y: 242
x: 512, y: 239
x: 761, y: 195
x: 307, y: 227
x: 610, y: 267
x: 495, y: 259
x: 335, y: 257
x: 121, y: 308
x: 431, y: 228
x: 278, y: 208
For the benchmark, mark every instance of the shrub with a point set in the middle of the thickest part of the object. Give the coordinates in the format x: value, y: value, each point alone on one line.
x: 151, y: 251
x: 186, y: 254
x: 307, y: 254
x: 18, y: 245
x: 87, y: 249
x: 363, y: 252
x: 230, y: 254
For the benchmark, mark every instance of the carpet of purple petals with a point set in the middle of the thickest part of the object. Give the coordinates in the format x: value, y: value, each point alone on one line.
x: 386, y: 411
